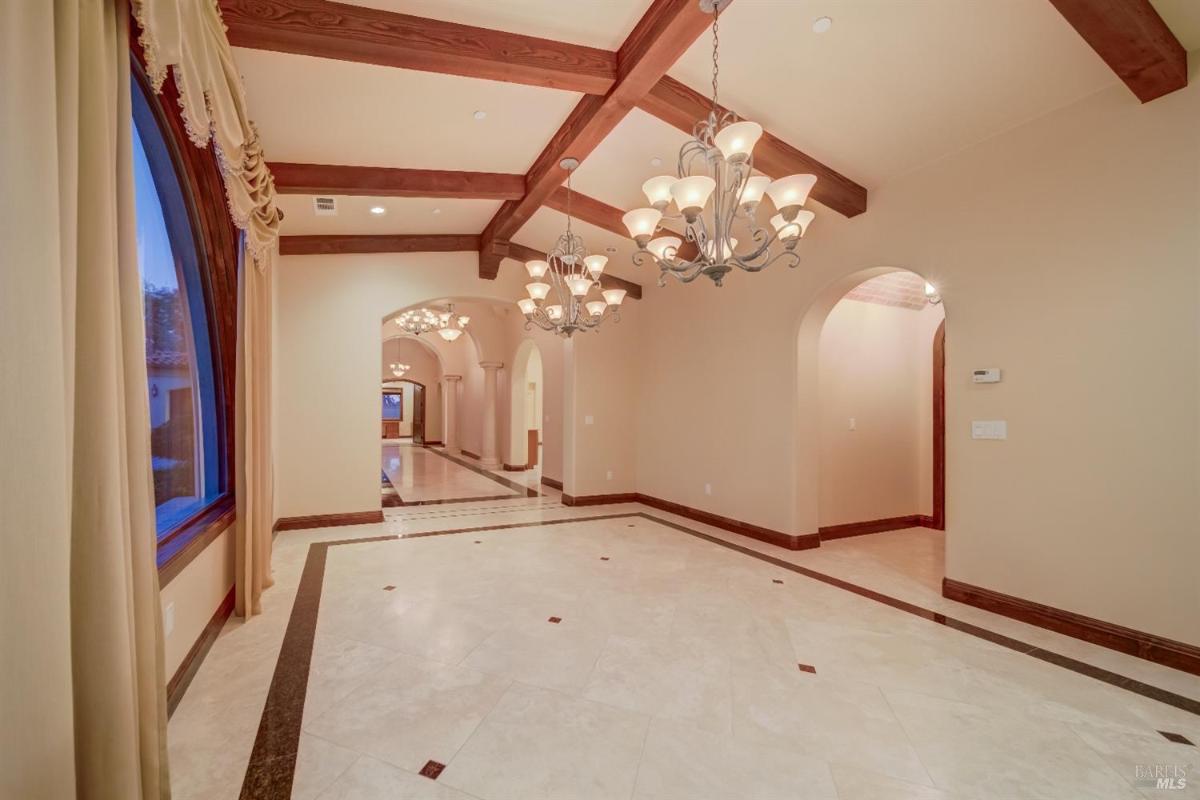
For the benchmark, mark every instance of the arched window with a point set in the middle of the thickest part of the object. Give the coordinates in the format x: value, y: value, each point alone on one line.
x: 187, y: 412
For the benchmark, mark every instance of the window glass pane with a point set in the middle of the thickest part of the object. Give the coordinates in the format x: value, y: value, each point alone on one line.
x: 392, y: 406
x: 183, y: 435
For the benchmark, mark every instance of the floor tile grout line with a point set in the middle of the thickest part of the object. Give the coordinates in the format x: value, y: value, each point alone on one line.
x: 908, y: 738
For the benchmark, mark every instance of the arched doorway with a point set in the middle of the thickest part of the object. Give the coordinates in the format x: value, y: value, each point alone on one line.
x: 526, y: 387
x: 871, y: 406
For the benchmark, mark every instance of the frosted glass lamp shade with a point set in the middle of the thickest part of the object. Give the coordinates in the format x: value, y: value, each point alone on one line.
x: 554, y: 312
x: 658, y: 190
x: 641, y: 223
x: 595, y: 265
x: 794, y: 229
x: 691, y: 194
x: 789, y: 193
x: 596, y: 307
x: 930, y: 291
x: 527, y: 306
x: 536, y: 268
x: 538, y: 291
x: 754, y: 190
x: 737, y: 140
x: 613, y: 296
x: 726, y: 248
x: 579, y: 286
x: 463, y: 320
x: 664, y: 247
x: 449, y: 334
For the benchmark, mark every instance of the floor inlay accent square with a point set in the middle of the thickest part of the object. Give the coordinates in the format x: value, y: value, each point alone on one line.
x: 1177, y: 738
x: 604, y: 558
x: 432, y: 769
x: 807, y: 668
x: 389, y: 588
x: 776, y: 580
x: 555, y: 620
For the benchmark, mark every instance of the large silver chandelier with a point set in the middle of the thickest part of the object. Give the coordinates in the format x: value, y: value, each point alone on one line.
x: 423, y: 320
x: 715, y: 188
x: 562, y: 305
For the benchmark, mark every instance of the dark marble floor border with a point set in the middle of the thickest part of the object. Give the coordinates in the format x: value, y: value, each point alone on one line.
x: 271, y: 769
x: 392, y: 498
x: 519, y: 488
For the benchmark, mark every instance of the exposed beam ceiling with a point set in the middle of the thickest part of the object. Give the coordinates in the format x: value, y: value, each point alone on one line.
x: 356, y: 33
x: 590, y: 210
x: 520, y: 252
x: 678, y: 105
x: 377, y: 243
x: 660, y: 37
x: 387, y: 182
x: 1133, y: 40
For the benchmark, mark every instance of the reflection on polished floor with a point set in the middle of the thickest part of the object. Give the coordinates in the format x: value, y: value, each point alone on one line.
x: 512, y: 649
x: 420, y: 475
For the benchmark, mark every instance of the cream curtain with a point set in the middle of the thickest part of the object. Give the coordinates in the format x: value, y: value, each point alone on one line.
x: 188, y: 37
x: 88, y: 504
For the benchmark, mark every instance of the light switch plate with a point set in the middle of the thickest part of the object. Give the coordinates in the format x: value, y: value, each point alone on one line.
x: 989, y: 429
x: 588, y: 420
x: 168, y: 619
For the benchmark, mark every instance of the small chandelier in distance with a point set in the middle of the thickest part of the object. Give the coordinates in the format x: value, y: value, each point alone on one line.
x: 573, y: 273
x: 399, y: 369
x: 423, y: 320
x: 451, y: 325
x: 717, y: 165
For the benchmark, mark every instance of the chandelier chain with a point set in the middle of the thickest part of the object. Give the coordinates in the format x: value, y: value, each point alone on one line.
x: 716, y: 52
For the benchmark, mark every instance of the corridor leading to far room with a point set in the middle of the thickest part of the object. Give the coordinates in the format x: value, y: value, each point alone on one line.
x: 414, y: 474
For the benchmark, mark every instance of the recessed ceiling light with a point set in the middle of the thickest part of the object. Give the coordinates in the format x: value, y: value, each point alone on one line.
x: 610, y: 249
x: 480, y: 115
x: 377, y: 210
x: 437, y: 211
x: 822, y: 24
x: 656, y: 162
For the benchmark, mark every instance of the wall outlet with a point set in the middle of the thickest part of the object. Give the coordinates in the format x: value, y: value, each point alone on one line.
x: 853, y: 424
x: 609, y: 475
x: 708, y: 488
x: 989, y: 429
x: 588, y: 420
x: 168, y: 619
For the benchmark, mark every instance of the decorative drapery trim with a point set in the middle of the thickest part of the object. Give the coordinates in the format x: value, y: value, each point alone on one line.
x: 189, y: 38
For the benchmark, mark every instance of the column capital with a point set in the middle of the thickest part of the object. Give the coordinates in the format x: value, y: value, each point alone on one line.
x: 491, y: 364
x: 452, y: 377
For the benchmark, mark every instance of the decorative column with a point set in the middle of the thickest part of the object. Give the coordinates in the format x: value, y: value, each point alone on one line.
x: 450, y: 423
x: 489, y: 458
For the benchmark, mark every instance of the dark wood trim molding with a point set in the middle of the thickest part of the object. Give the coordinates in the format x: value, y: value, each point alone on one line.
x: 328, y: 520
x: 1133, y: 40
x: 599, y: 499
x: 195, y: 656
x: 789, y: 541
x: 870, y: 526
x: 291, y: 178
x: 1158, y: 649
x: 469, y: 454
x: 373, y: 36
x: 434, y: 443
x: 515, y: 467
x: 938, y: 520
x: 193, y: 537
x: 552, y: 483
x: 679, y: 105
x: 378, y: 243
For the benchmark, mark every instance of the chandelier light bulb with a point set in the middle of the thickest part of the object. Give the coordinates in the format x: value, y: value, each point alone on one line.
x: 579, y: 286
x: 595, y: 265
x: 450, y: 334
x: 664, y: 247
x: 538, y: 291
x: 462, y: 321
x: 613, y: 297
x: 754, y: 190
x: 790, y: 193
x: 596, y: 307
x: 642, y: 223
x: 658, y: 190
x: 554, y: 312
x: 691, y: 194
x: 536, y: 268
x: 527, y: 306
x: 737, y: 140
x: 796, y: 228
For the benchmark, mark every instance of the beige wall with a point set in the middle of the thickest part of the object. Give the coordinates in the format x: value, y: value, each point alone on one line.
x: 195, y: 594
x: 1067, y: 253
x: 874, y: 368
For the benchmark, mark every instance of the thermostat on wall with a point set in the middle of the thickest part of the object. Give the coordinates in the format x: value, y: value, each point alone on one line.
x: 990, y: 375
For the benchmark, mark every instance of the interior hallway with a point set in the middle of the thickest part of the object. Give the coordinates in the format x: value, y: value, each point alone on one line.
x: 421, y: 475
x: 516, y: 648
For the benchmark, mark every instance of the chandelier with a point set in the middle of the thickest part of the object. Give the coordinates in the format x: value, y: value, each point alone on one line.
x: 715, y: 188
x: 423, y: 320
x: 399, y: 369
x: 562, y: 305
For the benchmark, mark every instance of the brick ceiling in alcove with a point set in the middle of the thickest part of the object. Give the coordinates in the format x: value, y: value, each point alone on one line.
x: 900, y: 289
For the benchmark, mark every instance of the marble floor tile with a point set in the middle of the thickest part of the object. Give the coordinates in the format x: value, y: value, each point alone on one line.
x: 318, y: 766
x: 860, y: 783
x: 540, y: 653
x: 371, y: 779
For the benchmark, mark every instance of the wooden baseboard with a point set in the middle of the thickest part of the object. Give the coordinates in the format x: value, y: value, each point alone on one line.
x: 328, y: 520
x: 553, y: 484
x: 869, y: 526
x: 434, y: 443
x: 469, y: 454
x: 599, y: 499
x: 789, y: 541
x: 195, y: 656
x: 1167, y: 652
x: 926, y: 521
x: 515, y: 467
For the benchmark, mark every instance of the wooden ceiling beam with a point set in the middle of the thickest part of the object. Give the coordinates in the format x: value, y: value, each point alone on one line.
x: 521, y: 253
x: 681, y: 106
x: 335, y: 179
x: 378, y: 243
x: 1133, y: 40
x: 372, y: 36
x: 660, y: 37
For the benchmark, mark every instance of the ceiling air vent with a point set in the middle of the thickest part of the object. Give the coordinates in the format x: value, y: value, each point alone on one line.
x: 325, y: 206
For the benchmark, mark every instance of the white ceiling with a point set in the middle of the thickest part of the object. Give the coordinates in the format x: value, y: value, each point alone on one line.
x: 1183, y: 18
x: 402, y: 215
x: 546, y: 225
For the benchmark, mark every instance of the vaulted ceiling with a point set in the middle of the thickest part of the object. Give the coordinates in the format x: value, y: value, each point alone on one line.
x: 891, y: 87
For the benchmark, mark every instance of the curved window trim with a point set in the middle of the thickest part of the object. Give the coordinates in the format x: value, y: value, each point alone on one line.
x: 200, y: 230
